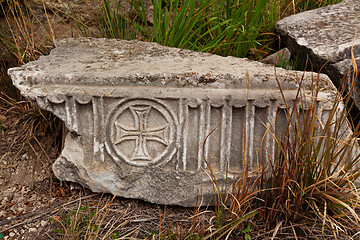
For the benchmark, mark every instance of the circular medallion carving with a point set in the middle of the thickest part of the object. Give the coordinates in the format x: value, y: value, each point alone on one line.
x: 141, y: 132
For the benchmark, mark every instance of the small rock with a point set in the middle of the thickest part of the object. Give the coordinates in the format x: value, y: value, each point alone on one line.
x: 75, y: 186
x: 20, y: 209
x: 4, y: 201
x: 12, y: 234
x: 32, y: 229
x: 2, y: 118
x: 281, y: 58
x: 43, y: 223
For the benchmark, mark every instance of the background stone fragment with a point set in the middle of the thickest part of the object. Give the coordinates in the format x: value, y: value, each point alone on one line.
x: 326, y: 35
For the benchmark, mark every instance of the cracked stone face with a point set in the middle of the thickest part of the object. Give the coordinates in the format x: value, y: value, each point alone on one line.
x: 327, y: 36
x: 142, y: 117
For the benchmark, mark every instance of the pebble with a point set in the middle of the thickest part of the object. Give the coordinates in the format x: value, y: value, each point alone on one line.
x: 25, y: 156
x: 32, y: 229
x: 2, y: 118
x: 43, y: 223
x: 12, y: 234
x: 20, y: 209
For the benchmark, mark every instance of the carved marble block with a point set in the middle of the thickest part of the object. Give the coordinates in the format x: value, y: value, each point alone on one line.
x: 138, y: 115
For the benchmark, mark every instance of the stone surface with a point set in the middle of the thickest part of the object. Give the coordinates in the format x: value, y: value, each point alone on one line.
x: 281, y: 59
x: 326, y: 34
x: 139, y: 113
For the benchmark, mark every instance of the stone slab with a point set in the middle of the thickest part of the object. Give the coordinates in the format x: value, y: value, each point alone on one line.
x: 326, y: 35
x: 139, y: 113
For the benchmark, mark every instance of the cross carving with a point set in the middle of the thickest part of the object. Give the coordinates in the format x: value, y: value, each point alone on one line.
x: 141, y: 133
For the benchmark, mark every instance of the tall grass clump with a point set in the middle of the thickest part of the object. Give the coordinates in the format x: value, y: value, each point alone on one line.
x: 315, y: 173
x: 312, y: 181
x: 226, y: 27
x: 107, y: 18
x: 112, y: 24
x: 289, y: 7
x: 25, y: 36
